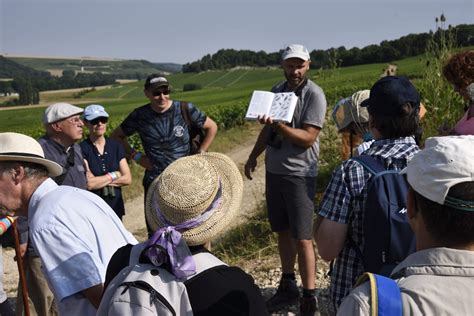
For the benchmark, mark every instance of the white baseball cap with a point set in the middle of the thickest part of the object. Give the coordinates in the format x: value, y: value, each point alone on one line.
x: 59, y: 111
x: 296, y: 51
x: 443, y: 163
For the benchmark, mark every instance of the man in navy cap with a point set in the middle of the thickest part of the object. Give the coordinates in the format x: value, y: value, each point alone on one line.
x: 393, y: 108
x: 163, y: 130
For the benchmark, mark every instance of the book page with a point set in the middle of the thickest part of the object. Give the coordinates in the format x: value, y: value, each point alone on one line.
x: 259, y: 104
x: 283, y: 106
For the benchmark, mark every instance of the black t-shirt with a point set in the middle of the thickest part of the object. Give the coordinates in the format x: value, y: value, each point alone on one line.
x: 221, y: 290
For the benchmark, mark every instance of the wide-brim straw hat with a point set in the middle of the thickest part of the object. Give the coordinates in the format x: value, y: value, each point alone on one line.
x: 19, y: 147
x: 187, y: 187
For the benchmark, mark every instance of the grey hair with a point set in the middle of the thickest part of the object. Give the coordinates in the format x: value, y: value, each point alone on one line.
x: 32, y: 170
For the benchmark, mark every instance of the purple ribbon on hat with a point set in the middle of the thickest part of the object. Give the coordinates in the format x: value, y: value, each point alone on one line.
x: 170, y: 239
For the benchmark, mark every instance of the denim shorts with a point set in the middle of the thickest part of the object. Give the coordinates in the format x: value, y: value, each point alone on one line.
x: 290, y: 203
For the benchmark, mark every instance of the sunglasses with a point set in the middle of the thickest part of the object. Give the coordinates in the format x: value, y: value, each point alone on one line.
x: 157, y: 93
x: 96, y: 121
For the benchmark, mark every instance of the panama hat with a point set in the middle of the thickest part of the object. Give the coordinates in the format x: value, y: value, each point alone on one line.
x: 19, y: 147
x: 187, y: 188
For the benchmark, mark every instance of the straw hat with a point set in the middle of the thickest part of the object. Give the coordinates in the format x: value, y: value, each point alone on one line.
x: 19, y: 147
x: 187, y: 188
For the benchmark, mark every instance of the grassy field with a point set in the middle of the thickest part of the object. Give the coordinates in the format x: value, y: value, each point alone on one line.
x: 219, y: 88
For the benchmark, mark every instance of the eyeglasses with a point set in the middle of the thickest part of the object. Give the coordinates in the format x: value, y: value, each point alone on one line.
x: 96, y: 121
x: 74, y: 120
x: 157, y: 93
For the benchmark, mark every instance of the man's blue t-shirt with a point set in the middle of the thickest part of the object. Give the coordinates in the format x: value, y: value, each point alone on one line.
x: 101, y: 164
x: 164, y: 136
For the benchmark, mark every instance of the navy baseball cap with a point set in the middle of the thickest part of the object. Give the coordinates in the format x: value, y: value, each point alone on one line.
x: 389, y: 94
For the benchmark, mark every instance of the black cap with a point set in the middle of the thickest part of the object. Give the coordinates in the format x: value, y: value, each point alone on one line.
x: 155, y: 81
x: 389, y: 94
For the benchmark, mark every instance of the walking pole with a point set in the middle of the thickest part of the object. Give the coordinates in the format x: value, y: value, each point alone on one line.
x: 21, y: 270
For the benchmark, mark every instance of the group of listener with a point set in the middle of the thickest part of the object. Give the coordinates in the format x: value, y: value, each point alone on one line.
x: 76, y: 238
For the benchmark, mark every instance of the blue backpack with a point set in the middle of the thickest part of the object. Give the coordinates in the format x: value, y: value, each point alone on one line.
x: 385, y: 298
x: 387, y: 233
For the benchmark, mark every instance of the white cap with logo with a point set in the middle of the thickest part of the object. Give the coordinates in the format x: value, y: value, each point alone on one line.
x: 296, y: 51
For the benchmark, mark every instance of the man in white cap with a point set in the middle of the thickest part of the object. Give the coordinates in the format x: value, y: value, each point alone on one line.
x: 73, y: 231
x: 291, y: 161
x: 63, y: 125
x: 64, y: 129
x: 438, y: 279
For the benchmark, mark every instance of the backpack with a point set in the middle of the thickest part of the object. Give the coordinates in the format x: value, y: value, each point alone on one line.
x: 385, y: 298
x: 387, y: 233
x: 196, y: 134
x: 144, y: 289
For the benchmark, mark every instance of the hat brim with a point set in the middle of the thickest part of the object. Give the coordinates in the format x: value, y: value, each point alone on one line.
x: 297, y: 55
x: 223, y: 216
x: 158, y: 85
x: 54, y: 169
x: 93, y: 117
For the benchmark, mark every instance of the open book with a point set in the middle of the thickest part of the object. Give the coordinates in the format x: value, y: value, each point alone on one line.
x: 279, y: 106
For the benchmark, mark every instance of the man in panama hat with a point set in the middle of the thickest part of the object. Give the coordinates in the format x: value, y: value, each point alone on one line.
x: 192, y: 201
x: 73, y: 231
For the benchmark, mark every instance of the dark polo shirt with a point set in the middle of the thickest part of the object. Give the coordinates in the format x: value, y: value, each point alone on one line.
x: 76, y: 173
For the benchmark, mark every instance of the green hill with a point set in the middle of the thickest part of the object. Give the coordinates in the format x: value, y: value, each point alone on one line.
x: 124, y: 69
x: 11, y: 69
x: 220, y: 89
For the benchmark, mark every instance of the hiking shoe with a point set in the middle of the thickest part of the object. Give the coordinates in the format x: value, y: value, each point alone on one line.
x: 286, y: 294
x: 309, y: 306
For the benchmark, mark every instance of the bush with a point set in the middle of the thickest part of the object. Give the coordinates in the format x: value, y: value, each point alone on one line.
x: 191, y: 86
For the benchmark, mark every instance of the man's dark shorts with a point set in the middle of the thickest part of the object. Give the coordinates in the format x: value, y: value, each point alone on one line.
x: 290, y: 204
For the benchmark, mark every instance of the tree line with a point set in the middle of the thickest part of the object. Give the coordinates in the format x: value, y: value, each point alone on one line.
x: 28, y: 82
x: 386, y: 51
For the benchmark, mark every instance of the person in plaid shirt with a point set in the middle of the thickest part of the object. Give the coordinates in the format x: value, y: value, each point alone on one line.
x: 393, y: 108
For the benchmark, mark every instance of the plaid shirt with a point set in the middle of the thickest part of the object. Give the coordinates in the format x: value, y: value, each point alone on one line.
x: 344, y: 202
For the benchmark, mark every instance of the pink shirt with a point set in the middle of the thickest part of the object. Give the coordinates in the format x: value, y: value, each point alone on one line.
x: 465, y: 126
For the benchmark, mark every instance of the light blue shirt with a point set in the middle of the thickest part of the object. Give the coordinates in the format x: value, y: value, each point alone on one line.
x: 75, y: 233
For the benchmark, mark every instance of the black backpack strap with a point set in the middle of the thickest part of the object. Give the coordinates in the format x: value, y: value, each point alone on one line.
x: 370, y: 163
x: 185, y: 113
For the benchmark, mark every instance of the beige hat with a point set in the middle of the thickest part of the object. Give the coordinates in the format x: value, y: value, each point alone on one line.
x: 348, y: 110
x: 19, y: 147
x: 59, y: 111
x: 188, y: 187
x: 443, y: 163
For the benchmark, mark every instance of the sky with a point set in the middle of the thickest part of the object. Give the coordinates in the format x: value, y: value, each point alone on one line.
x: 182, y: 31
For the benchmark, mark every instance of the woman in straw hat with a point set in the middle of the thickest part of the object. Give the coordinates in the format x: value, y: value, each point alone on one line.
x: 188, y: 205
x: 74, y: 231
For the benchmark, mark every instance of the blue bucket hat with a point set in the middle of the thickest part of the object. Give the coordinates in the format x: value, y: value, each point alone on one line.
x: 389, y: 94
x: 94, y: 111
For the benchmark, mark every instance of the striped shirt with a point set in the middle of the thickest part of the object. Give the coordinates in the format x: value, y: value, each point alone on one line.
x: 344, y: 202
